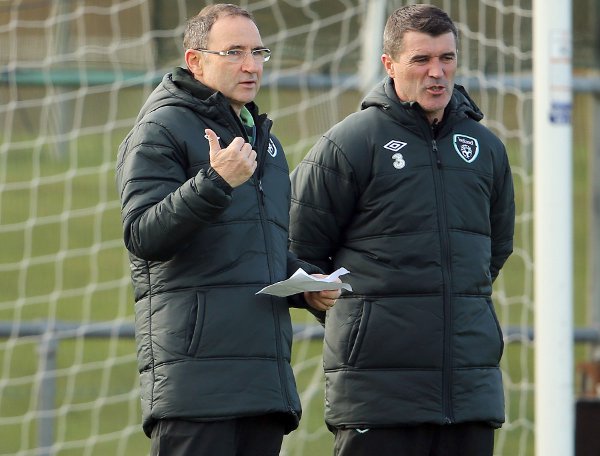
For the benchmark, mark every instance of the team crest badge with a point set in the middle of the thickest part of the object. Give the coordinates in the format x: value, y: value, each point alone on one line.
x: 466, y: 147
x: 272, y: 148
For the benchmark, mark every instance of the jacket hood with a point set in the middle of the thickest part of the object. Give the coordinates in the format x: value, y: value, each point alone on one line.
x: 383, y: 96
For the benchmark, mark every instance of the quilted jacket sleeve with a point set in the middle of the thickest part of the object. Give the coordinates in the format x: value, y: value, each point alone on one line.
x: 160, y: 205
x: 324, y: 193
x: 502, y: 218
x: 297, y: 300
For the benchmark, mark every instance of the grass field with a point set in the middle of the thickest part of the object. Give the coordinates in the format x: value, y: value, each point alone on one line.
x: 62, y: 259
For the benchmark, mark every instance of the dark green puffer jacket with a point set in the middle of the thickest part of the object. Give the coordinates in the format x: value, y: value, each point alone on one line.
x: 208, y: 347
x: 423, y: 218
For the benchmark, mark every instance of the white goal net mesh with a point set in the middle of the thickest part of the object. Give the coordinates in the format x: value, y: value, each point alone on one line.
x: 73, y: 75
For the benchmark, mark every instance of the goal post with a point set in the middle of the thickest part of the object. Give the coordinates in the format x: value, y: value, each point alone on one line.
x: 370, y: 69
x: 553, y: 233
x: 73, y: 76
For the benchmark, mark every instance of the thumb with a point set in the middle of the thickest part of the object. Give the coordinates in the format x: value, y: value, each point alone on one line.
x: 213, y: 141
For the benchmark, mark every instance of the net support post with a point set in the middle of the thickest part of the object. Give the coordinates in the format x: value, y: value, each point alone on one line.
x: 61, y: 110
x: 594, y: 223
x: 553, y: 232
x: 371, y: 68
x: 46, y: 391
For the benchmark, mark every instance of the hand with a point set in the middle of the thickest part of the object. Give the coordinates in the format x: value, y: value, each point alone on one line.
x: 236, y: 163
x: 322, y: 300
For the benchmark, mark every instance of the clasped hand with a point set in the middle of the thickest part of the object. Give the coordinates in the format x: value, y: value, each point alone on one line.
x: 322, y: 300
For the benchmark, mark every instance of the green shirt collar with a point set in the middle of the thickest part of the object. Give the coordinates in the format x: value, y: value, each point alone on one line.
x: 246, y: 117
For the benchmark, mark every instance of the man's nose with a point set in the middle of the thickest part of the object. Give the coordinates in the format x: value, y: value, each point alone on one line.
x: 249, y: 63
x: 436, y: 69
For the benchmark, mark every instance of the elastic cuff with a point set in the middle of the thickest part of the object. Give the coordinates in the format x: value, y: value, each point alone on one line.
x: 218, y: 180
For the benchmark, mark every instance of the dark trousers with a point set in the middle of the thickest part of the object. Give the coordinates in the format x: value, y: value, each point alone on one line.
x: 253, y: 436
x: 467, y: 439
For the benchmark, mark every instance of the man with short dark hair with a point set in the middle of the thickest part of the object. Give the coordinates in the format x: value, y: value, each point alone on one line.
x: 414, y: 196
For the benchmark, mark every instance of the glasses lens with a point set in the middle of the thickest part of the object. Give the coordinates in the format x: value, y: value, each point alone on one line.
x: 237, y: 56
x: 261, y: 55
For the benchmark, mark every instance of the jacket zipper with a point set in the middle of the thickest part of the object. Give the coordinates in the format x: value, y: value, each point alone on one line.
x: 262, y: 192
x: 447, y: 412
x: 436, y: 154
x: 261, y: 207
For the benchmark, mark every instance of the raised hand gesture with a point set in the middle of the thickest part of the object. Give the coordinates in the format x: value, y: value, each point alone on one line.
x: 236, y: 163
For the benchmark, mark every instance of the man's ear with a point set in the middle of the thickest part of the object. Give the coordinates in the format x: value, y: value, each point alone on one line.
x: 193, y: 61
x: 387, y: 64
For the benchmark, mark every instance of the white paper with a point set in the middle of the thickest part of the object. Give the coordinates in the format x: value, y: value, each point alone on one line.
x: 300, y: 281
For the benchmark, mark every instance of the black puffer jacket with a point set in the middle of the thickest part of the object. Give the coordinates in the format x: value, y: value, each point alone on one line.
x: 208, y: 347
x: 423, y: 219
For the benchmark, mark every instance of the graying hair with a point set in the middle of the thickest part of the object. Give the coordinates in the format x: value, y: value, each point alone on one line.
x: 198, y: 27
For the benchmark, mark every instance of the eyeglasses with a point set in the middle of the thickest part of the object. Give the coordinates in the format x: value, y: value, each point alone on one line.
x: 237, y: 55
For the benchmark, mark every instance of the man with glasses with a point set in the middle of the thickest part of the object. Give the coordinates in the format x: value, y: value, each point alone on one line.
x: 205, y: 196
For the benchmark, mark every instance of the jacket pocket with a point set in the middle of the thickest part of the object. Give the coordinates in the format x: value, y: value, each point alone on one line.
x: 498, y: 328
x: 195, y: 324
x: 477, y: 336
x: 357, y: 333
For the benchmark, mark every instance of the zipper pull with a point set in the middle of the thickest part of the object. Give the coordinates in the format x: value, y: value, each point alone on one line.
x: 436, y: 153
x: 262, y: 193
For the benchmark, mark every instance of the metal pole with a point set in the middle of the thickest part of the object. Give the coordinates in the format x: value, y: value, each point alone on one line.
x: 553, y: 274
x: 371, y: 68
x: 594, y: 223
x: 47, y: 392
x: 62, y: 108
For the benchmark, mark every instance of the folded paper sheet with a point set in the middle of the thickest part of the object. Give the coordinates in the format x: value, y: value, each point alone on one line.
x: 300, y: 281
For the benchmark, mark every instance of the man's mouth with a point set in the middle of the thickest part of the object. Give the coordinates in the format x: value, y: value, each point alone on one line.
x: 436, y: 89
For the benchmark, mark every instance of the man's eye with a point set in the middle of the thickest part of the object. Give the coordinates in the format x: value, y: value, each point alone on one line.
x: 234, y: 52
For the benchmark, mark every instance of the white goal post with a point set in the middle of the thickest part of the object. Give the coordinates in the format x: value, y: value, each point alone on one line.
x: 553, y: 233
x: 73, y: 75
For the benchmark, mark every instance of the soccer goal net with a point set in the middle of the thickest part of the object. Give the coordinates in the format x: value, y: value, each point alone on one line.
x: 73, y: 75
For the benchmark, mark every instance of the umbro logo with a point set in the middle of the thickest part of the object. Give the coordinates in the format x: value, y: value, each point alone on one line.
x: 394, y: 145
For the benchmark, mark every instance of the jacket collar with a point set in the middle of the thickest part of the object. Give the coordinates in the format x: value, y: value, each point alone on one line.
x: 384, y: 97
x: 184, y: 79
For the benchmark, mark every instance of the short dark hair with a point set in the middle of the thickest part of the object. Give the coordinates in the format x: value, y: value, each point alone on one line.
x: 422, y: 18
x: 198, y: 27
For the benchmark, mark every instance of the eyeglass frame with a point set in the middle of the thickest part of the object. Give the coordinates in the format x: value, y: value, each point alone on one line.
x: 229, y: 53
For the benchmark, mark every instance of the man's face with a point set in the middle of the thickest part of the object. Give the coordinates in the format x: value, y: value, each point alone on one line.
x: 239, y: 82
x: 424, y: 70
